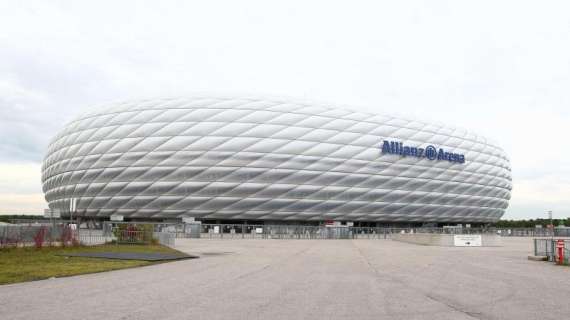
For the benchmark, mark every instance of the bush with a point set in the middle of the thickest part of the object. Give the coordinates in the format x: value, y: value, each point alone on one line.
x: 40, y: 237
x: 68, y: 237
x: 134, y: 234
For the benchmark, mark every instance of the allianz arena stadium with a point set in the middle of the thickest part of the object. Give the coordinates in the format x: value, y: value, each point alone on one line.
x: 249, y: 159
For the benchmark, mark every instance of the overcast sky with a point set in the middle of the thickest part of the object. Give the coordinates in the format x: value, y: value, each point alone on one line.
x: 499, y: 68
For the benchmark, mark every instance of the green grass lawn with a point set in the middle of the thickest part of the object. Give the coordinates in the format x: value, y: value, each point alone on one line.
x: 27, y: 264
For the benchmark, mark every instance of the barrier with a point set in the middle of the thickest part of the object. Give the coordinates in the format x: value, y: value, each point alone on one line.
x: 141, y: 232
x: 68, y: 235
x: 450, y: 240
x: 560, y: 251
x: 165, y: 239
x: 284, y: 231
x: 556, y: 250
x: 38, y: 235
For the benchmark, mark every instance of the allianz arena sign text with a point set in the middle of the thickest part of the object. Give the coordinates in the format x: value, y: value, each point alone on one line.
x: 430, y: 152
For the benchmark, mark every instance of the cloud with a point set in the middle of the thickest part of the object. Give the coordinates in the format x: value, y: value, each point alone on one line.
x: 20, y: 189
x: 22, y: 124
x: 14, y: 203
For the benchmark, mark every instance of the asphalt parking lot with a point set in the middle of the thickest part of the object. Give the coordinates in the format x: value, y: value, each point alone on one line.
x: 309, y: 279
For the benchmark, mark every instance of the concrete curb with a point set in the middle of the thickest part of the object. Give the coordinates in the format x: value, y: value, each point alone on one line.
x: 538, y: 258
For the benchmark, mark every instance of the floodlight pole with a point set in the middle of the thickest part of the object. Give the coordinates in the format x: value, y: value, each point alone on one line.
x: 551, y: 224
x: 71, y: 209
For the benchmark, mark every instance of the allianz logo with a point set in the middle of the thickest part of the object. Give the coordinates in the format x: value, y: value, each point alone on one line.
x: 430, y: 152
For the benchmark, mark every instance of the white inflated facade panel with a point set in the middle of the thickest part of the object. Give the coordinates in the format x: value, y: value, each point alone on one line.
x: 256, y: 159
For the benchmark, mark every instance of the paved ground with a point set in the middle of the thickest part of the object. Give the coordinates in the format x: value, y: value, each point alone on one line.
x: 309, y: 279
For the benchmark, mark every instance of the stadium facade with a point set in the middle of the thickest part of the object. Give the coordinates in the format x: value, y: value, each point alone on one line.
x: 249, y: 159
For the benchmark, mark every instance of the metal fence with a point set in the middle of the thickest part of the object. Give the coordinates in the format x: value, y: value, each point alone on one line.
x: 259, y: 231
x: 179, y: 230
x: 242, y: 231
x: 534, y: 232
x: 280, y: 231
x: 166, y: 233
x: 67, y: 235
x: 166, y: 239
x: 91, y: 237
x: 37, y: 235
x: 231, y: 231
x: 95, y: 237
x: 547, y: 248
x: 276, y: 231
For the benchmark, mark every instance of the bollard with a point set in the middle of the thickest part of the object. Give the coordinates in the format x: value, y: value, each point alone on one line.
x: 560, y: 247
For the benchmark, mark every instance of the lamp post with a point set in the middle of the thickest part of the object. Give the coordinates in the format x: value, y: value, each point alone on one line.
x: 551, y: 224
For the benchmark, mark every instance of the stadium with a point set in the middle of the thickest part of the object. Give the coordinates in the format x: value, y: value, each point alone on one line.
x: 243, y: 159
